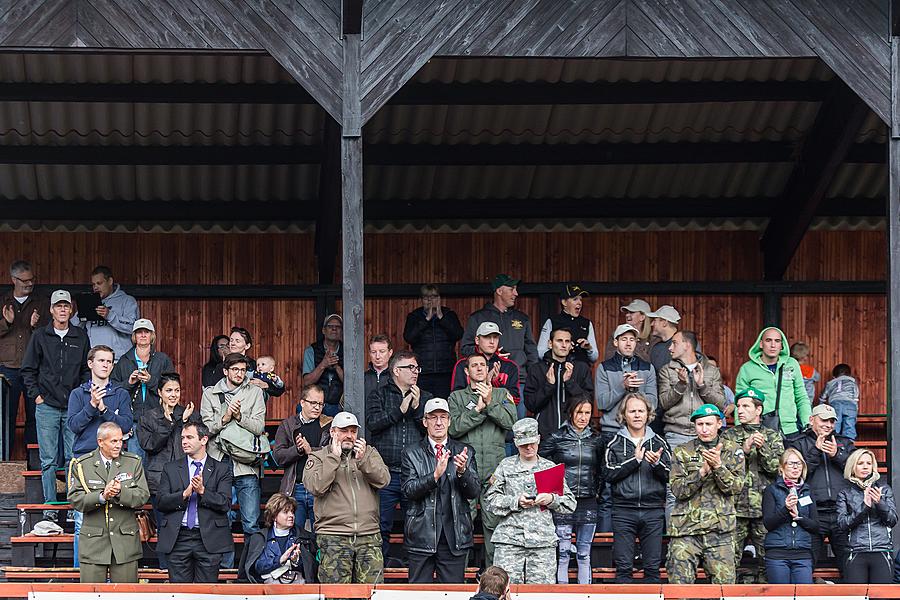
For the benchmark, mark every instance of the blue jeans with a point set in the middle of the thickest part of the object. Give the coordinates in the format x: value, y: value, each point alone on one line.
x: 79, y: 518
x: 246, y: 488
x: 845, y: 424
x: 51, y: 422
x: 779, y: 570
x: 584, y: 536
x: 388, y: 498
x: 304, y: 507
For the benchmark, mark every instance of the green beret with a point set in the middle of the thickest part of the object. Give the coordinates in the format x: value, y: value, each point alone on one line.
x: 706, y: 410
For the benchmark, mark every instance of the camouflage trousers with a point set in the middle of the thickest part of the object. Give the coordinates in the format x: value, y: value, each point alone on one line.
x: 526, y: 565
x: 714, y: 549
x: 754, y: 532
x: 350, y: 558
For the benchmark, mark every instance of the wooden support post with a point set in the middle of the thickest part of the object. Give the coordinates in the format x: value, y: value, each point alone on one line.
x: 328, y: 223
x: 893, y: 211
x: 772, y: 309
x: 352, y: 233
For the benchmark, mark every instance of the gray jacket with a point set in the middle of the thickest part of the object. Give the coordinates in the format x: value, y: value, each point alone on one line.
x: 609, y: 388
x: 115, y: 331
x: 517, y: 338
x: 869, y: 528
x: 843, y: 388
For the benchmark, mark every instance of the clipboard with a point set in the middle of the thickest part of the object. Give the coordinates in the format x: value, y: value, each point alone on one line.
x: 87, y: 303
x: 550, y: 481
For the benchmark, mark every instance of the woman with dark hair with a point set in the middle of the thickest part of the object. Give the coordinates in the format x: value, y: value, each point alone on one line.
x: 160, y: 434
x: 138, y: 371
x: 240, y: 342
x: 791, y: 518
x: 636, y: 467
x: 578, y: 447
x: 280, y: 552
x: 212, y: 370
x: 867, y: 512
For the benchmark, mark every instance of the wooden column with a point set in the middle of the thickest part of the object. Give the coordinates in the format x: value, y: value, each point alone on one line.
x: 893, y: 212
x: 352, y: 232
x: 772, y: 309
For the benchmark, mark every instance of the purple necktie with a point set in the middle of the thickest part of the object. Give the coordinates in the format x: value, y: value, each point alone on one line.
x: 192, y: 502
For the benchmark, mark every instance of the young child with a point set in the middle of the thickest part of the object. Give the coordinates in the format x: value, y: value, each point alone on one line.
x: 265, y: 372
x: 842, y: 393
x: 800, y: 351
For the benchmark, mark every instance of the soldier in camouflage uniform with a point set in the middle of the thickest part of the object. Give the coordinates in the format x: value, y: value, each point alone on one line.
x: 344, y: 477
x: 525, y: 538
x: 762, y: 451
x: 706, y: 475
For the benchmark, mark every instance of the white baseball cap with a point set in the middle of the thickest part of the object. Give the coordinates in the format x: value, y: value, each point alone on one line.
x: 143, y: 324
x: 60, y: 296
x: 636, y: 305
x: 488, y: 328
x: 344, y: 419
x: 436, y: 404
x: 665, y: 312
x: 625, y: 327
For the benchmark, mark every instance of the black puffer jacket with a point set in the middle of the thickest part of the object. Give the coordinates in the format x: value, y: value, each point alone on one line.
x: 869, y: 527
x: 636, y: 484
x: 433, y: 341
x: 421, y: 489
x: 582, y: 454
x: 825, y: 474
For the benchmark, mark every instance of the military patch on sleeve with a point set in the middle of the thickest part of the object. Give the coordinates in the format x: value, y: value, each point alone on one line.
x: 739, y: 452
x: 310, y: 463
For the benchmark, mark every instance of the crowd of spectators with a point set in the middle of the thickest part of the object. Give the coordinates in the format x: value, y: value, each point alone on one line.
x: 454, y: 440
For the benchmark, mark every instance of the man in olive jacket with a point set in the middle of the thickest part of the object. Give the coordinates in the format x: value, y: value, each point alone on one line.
x: 481, y: 415
x: 107, y: 485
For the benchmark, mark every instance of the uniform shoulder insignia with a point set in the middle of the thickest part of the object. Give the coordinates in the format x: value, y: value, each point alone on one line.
x: 739, y: 451
x: 125, y: 454
x: 84, y: 457
x: 310, y: 463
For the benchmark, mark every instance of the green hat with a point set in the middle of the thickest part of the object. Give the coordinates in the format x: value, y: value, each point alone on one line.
x: 504, y: 279
x: 753, y: 393
x: 706, y: 410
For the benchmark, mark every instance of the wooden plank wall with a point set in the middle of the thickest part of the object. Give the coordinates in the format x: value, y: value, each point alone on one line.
x: 839, y: 328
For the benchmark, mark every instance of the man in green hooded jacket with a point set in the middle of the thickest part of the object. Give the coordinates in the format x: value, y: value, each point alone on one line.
x: 772, y: 371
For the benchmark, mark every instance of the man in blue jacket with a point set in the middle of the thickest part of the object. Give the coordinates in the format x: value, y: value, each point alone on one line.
x: 96, y: 401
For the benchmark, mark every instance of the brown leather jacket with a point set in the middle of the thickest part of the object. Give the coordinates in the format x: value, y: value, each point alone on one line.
x: 14, y: 337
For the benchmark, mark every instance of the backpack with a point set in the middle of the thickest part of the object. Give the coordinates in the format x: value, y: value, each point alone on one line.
x: 241, y: 445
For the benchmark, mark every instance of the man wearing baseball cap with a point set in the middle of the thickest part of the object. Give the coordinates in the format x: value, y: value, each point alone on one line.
x: 502, y: 372
x: 439, y: 479
x: 707, y: 473
x: 55, y: 363
x: 636, y: 315
x: 664, y: 325
x: 826, y: 454
x: 584, y: 341
x: 762, y: 448
x: 345, y: 477
x: 518, y: 339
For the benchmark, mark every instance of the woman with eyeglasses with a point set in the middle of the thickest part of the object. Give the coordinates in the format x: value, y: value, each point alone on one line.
x: 281, y: 552
x: 866, y: 510
x: 212, y: 370
x: 790, y: 515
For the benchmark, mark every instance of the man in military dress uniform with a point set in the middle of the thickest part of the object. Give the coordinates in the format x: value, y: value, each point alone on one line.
x: 762, y: 448
x: 706, y: 475
x: 525, y: 538
x: 107, y: 485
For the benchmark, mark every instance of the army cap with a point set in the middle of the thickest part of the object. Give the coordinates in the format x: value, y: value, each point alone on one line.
x: 753, y: 393
x: 706, y: 410
x: 525, y: 431
x: 824, y: 411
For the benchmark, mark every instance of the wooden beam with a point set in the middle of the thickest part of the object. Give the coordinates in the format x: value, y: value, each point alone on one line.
x: 160, y: 155
x: 351, y: 17
x: 825, y: 148
x: 893, y: 306
x: 328, y: 223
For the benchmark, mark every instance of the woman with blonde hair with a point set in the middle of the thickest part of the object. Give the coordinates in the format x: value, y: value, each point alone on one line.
x: 281, y: 552
x: 790, y: 515
x: 866, y: 510
x: 636, y: 316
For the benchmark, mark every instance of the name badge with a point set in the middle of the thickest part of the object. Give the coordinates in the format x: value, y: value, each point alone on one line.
x: 805, y: 501
x: 95, y: 482
x: 470, y: 405
x: 123, y: 477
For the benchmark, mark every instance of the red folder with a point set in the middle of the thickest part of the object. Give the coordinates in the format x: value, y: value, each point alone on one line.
x: 550, y: 481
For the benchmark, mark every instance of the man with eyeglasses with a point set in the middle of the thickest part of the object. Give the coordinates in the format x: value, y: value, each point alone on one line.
x: 323, y: 363
x: 432, y: 332
x: 24, y: 311
x: 297, y: 437
x: 394, y: 415
x: 233, y: 402
x: 439, y: 479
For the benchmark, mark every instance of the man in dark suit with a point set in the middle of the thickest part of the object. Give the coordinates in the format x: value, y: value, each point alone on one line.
x: 439, y: 478
x: 194, y: 498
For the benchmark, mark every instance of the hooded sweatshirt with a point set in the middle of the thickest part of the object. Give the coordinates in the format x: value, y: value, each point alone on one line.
x: 793, y: 406
x: 115, y: 331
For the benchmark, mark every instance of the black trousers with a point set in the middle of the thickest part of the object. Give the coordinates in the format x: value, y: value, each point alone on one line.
x: 436, y: 383
x: 189, y: 562
x: 646, y: 524
x: 449, y: 567
x: 838, y: 540
x: 869, y: 567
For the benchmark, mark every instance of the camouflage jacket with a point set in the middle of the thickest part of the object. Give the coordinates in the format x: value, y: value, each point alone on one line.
x: 525, y: 527
x: 761, y: 467
x: 705, y: 504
